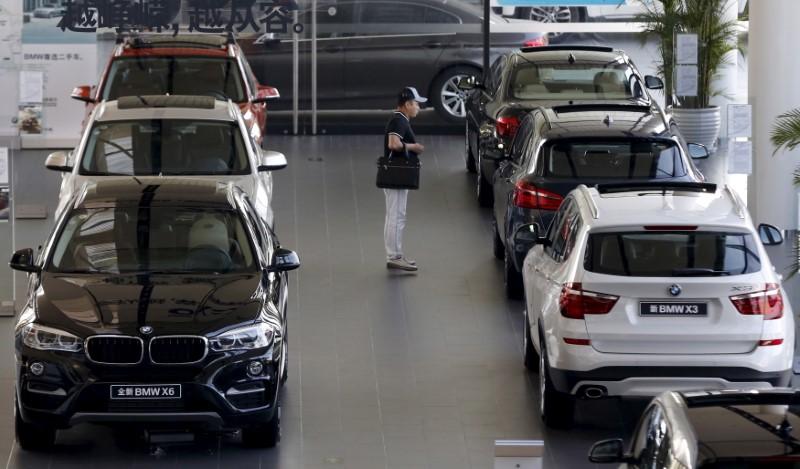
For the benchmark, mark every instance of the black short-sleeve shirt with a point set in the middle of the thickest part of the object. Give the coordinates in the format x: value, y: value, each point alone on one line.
x: 400, y: 126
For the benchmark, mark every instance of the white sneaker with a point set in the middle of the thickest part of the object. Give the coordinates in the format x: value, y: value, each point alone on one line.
x: 401, y: 264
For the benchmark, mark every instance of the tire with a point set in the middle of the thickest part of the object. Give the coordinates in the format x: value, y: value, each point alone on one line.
x: 447, y: 99
x: 483, y: 190
x: 557, y: 409
x: 512, y: 278
x: 552, y: 14
x: 531, y: 356
x: 499, y: 248
x: 33, y: 437
x: 468, y: 156
x: 264, y: 436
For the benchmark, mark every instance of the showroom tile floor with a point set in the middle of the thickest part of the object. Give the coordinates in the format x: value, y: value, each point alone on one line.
x: 387, y: 371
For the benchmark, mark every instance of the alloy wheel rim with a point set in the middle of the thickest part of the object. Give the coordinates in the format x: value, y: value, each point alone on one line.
x: 551, y: 15
x: 453, y: 99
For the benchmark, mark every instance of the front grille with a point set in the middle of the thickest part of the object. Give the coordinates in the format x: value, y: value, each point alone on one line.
x: 115, y: 350
x: 175, y: 350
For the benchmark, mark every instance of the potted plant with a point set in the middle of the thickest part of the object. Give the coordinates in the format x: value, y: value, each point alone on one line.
x: 698, y: 119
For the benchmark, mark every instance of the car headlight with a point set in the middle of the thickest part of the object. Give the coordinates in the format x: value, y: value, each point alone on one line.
x: 47, y: 338
x: 244, y: 338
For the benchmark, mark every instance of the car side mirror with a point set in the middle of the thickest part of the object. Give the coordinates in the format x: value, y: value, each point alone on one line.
x: 468, y: 83
x: 284, y: 260
x: 266, y: 93
x: 698, y: 151
x: 23, y: 260
x: 770, y: 235
x: 58, y: 161
x: 527, y: 236
x: 83, y: 93
x: 271, y: 160
x: 653, y: 83
x: 607, y: 451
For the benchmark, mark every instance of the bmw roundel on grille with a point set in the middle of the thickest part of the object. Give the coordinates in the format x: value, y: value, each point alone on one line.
x: 146, y: 330
x: 675, y: 290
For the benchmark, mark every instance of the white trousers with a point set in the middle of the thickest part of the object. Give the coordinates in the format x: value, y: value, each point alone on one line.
x: 395, y: 221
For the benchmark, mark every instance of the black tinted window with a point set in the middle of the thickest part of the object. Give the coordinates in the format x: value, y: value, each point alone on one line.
x: 433, y: 15
x: 671, y: 254
x: 564, y: 81
x: 392, y: 13
x: 623, y: 159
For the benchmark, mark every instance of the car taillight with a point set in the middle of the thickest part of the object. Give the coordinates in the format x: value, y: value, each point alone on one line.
x: 770, y: 342
x: 767, y: 302
x: 526, y: 195
x: 538, y: 42
x: 507, y: 126
x: 575, y: 302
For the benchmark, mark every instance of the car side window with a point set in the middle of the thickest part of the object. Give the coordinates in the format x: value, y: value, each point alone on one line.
x: 437, y: 16
x: 554, y: 230
x: 653, y: 440
x: 250, y: 77
x: 573, y: 227
x: 252, y: 222
x: 495, y: 71
x: 641, y: 433
x: 564, y: 237
x: 520, y: 140
x: 392, y: 13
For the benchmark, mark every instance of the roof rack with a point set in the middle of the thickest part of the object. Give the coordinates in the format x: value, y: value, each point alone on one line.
x: 557, y: 48
x: 741, y: 210
x: 185, y: 40
x: 602, y: 107
x: 589, y: 200
x: 656, y: 186
x: 144, y: 102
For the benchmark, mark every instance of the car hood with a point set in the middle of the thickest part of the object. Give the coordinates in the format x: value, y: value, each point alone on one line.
x: 170, y: 304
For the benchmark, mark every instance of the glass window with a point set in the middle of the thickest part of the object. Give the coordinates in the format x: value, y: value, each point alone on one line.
x: 392, y: 13
x: 555, y: 229
x: 521, y: 139
x: 206, y: 76
x: 163, y: 239
x: 620, y: 159
x: 672, y: 254
x: 165, y: 146
x: 341, y: 13
x: 564, y: 81
x: 434, y: 15
x: 495, y: 71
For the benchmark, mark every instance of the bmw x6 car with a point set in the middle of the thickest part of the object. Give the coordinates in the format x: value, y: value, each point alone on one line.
x: 155, y: 302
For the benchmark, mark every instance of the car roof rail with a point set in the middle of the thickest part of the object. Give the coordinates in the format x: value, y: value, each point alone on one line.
x: 587, y: 194
x: 160, y: 101
x: 656, y: 186
x: 562, y: 48
x: 741, y: 209
x: 602, y: 107
x: 210, y: 41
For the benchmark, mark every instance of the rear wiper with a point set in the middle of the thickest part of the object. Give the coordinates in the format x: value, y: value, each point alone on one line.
x: 697, y: 271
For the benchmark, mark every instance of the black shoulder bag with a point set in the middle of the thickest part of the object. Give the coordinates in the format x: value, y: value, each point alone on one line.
x: 398, y: 173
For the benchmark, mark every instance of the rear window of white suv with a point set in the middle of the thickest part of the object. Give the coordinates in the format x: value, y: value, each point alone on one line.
x: 671, y: 254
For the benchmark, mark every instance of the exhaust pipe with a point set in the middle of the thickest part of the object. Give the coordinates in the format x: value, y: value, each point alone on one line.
x: 594, y: 392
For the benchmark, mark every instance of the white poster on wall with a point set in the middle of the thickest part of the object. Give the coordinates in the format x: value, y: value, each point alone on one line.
x: 3, y: 166
x: 740, y: 121
x: 740, y: 158
x: 686, y: 49
x: 686, y: 80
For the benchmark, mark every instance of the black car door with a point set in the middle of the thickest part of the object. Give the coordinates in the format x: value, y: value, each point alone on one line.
x: 507, y: 173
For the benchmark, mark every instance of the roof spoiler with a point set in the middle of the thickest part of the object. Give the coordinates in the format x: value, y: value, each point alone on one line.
x: 657, y: 186
x: 557, y: 48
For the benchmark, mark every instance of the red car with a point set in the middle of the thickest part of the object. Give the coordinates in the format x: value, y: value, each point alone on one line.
x: 182, y: 65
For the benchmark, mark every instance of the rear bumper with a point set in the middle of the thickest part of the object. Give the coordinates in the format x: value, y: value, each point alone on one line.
x: 650, y: 381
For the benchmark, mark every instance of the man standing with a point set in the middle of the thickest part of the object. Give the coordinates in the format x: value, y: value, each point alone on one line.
x: 401, y: 143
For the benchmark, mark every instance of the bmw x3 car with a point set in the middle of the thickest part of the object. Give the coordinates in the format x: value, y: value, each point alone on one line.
x: 186, y: 64
x: 154, y: 302
x: 639, y: 289
x: 178, y: 136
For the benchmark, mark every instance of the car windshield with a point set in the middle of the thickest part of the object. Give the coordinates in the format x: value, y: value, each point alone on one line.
x: 152, y: 239
x: 165, y: 147
x: 207, y: 76
x: 671, y: 254
x: 577, y: 81
x: 612, y: 159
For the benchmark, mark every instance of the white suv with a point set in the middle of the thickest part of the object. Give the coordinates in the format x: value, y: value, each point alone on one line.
x: 193, y: 136
x: 639, y: 289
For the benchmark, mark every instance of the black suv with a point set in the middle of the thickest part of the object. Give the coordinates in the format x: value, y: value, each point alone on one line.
x: 157, y: 303
x: 558, y: 148
x: 522, y: 80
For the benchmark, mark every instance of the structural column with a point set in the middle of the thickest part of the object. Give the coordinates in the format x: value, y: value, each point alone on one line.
x: 726, y: 82
x: 773, y: 89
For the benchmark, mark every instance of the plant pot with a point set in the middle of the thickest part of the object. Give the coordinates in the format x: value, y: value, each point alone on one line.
x: 699, y: 125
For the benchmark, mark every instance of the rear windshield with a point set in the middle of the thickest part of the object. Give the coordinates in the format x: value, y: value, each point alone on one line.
x: 207, y: 76
x: 623, y: 159
x: 578, y: 81
x: 151, y: 147
x: 671, y: 254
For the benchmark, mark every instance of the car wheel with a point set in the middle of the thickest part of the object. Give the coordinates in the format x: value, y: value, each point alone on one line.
x: 483, y: 190
x: 554, y: 14
x: 467, y: 151
x: 449, y: 101
x: 33, y: 437
x: 531, y: 357
x: 264, y: 436
x: 512, y: 278
x: 498, y: 246
x: 556, y: 409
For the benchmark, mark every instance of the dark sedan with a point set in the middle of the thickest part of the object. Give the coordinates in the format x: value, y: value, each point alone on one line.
x: 542, y: 76
x: 557, y: 149
x: 155, y: 303
x: 368, y: 50
x: 748, y: 429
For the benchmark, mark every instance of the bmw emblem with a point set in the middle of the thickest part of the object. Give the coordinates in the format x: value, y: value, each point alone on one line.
x: 146, y: 330
x: 675, y: 290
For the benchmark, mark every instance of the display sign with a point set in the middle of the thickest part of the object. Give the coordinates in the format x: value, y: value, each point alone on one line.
x: 740, y: 121
x: 686, y: 80
x: 686, y: 49
x: 4, y: 166
x: 740, y: 157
